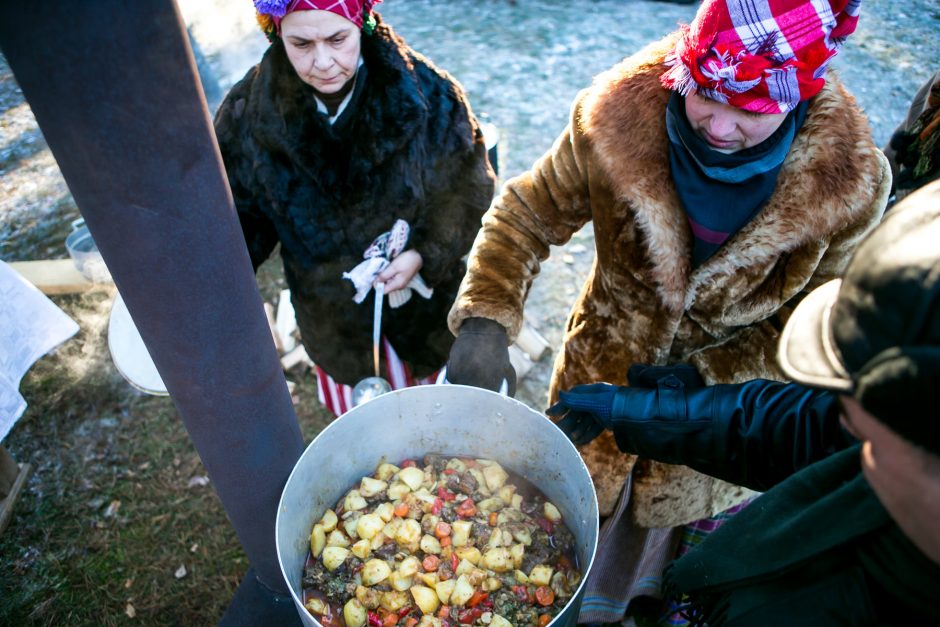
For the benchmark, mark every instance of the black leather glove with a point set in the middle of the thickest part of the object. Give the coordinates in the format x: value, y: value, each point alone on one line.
x: 589, y: 409
x: 480, y: 356
x: 754, y: 434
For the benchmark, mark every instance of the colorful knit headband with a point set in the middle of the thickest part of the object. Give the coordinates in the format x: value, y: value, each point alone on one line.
x: 271, y: 12
x: 760, y: 55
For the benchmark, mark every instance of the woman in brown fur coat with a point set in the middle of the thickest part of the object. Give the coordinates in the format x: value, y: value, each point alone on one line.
x: 706, y: 237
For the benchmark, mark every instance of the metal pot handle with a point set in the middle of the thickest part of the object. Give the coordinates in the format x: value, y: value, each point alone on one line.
x: 442, y: 380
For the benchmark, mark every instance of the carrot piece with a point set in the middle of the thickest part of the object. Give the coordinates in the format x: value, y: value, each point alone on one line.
x: 401, y: 510
x: 544, y: 595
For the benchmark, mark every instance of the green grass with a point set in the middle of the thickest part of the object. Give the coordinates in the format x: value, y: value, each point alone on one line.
x: 94, y: 442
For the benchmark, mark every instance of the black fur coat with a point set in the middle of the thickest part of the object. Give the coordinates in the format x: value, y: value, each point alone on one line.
x: 408, y: 147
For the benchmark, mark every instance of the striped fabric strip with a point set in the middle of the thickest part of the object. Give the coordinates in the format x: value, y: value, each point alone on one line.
x: 338, y: 397
x: 693, y: 534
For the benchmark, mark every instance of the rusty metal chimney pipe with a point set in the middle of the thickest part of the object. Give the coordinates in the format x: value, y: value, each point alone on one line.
x: 114, y: 88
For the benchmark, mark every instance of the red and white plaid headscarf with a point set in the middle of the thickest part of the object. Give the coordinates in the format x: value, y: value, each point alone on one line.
x: 760, y: 55
x: 271, y: 12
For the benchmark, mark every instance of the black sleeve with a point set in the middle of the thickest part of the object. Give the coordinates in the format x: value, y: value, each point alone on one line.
x: 231, y: 132
x: 754, y: 434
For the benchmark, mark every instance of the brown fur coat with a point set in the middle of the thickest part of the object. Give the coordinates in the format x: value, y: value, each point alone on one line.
x: 643, y: 302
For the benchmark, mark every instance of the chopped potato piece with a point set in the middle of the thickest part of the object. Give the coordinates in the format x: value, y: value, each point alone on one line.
x: 392, y: 527
x: 499, y: 621
x: 354, y: 501
x: 551, y: 512
x: 426, y: 599
x: 491, y: 584
x: 456, y: 464
x: 495, y: 476
x: 349, y: 525
x: 517, y: 501
x: 393, y: 600
x: 337, y: 538
x: 362, y: 549
x: 521, y: 577
x: 464, y: 567
x: 386, y: 471
x: 401, y: 582
x: 375, y: 571
x: 397, y: 490
x: 541, y: 575
x: 369, y: 487
x: 412, y: 476
x: 463, y: 590
x: 517, y: 552
x: 354, y: 613
x: 386, y: 511
x: 469, y: 553
x: 506, y: 492
x: 409, y: 566
x: 333, y: 556
x: 481, y: 481
x: 429, y: 579
x: 498, y: 560
x: 428, y: 620
x: 490, y: 505
x: 317, y: 540
x: 369, y: 597
x: 377, y: 541
x: 317, y: 606
x: 560, y: 585
x: 329, y: 520
x: 444, y: 589
x: 522, y: 534
x: 460, y: 532
x: 430, y: 544
x: 369, y: 525
x: 409, y: 532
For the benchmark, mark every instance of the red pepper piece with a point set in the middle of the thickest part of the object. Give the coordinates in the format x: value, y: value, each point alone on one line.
x: 374, y: 620
x: 469, y: 615
x: 546, y: 525
x: 450, y: 471
x: 408, y: 462
x: 405, y: 611
x: 476, y: 598
x: 454, y: 562
x: 521, y: 592
x: 437, y: 507
x: 446, y: 494
x: 466, y: 509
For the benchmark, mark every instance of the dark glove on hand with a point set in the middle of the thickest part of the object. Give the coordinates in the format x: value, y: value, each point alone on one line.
x: 480, y: 356
x: 588, y: 410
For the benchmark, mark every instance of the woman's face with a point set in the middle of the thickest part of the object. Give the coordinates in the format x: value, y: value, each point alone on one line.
x: 726, y: 128
x: 323, y: 48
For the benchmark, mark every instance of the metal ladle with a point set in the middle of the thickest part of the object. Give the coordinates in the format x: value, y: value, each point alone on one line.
x: 370, y: 387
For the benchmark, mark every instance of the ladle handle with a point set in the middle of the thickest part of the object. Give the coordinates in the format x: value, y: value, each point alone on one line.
x: 377, y: 324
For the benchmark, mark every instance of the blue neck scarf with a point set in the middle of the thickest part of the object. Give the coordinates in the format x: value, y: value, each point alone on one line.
x: 721, y: 192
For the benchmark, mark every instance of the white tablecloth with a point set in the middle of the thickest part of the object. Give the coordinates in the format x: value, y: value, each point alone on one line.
x: 31, y: 325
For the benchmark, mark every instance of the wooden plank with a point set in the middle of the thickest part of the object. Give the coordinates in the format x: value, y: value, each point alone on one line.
x: 53, y: 276
x: 14, y: 489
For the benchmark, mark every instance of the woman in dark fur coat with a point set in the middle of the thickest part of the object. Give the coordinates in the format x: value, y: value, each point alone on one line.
x: 344, y: 144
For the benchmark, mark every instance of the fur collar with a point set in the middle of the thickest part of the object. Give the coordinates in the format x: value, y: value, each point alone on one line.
x: 826, y: 182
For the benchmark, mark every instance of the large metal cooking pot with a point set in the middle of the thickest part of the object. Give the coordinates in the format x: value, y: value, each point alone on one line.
x: 452, y: 419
